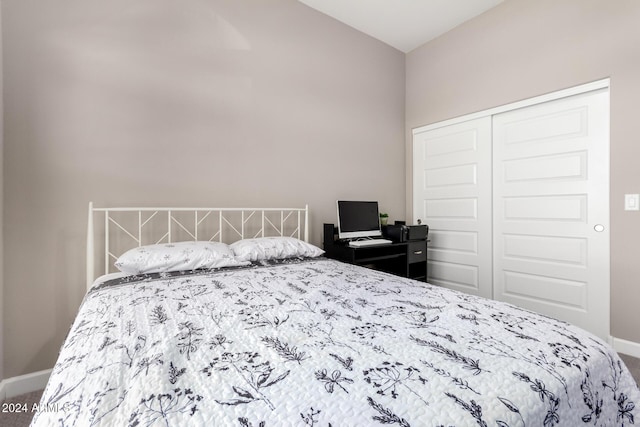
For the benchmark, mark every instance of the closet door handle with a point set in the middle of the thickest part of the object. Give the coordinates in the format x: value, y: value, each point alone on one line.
x: 599, y: 228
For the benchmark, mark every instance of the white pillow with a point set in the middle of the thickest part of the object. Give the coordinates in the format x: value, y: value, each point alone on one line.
x: 265, y: 248
x: 175, y: 257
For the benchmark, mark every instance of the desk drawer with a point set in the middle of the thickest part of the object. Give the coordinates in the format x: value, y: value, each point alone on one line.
x: 417, y: 251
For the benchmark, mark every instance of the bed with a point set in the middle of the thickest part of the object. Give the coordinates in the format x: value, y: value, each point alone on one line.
x: 285, y: 337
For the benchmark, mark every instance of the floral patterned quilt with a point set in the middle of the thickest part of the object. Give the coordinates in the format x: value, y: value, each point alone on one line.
x: 317, y: 342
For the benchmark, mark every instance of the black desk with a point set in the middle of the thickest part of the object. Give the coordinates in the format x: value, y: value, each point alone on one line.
x: 406, y: 259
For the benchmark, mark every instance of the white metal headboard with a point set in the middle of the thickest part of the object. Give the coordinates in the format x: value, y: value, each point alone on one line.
x: 226, y: 225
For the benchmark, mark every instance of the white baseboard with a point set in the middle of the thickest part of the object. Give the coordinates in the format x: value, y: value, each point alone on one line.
x: 16, y: 386
x: 629, y: 348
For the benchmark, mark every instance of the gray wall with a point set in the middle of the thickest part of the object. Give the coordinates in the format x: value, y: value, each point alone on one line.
x: 165, y: 102
x: 522, y: 49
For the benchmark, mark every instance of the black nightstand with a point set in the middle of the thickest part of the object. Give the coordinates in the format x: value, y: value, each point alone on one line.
x: 406, y: 259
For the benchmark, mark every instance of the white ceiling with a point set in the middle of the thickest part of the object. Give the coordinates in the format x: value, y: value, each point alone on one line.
x: 403, y: 24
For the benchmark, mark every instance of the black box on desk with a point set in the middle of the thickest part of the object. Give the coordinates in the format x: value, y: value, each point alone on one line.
x: 417, y: 232
x: 404, y: 233
x: 394, y: 232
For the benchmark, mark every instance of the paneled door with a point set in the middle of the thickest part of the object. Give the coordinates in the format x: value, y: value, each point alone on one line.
x: 452, y: 194
x: 551, y: 209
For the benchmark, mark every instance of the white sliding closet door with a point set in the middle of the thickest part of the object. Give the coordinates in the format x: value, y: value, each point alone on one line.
x: 452, y: 194
x: 551, y: 209
x: 517, y: 200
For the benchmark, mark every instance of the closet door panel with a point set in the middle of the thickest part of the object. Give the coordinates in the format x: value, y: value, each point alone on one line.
x: 452, y: 194
x: 550, y: 165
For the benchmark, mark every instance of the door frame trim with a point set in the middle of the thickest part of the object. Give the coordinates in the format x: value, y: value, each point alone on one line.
x: 563, y: 93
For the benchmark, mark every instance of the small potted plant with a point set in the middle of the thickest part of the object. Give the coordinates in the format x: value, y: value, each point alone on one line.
x: 384, y: 217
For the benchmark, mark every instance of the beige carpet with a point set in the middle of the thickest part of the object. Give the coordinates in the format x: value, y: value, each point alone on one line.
x: 22, y: 419
x: 20, y: 407
x: 634, y: 366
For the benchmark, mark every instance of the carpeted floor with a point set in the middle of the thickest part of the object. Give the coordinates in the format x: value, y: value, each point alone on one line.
x: 19, y: 415
x: 22, y: 419
x: 633, y: 364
